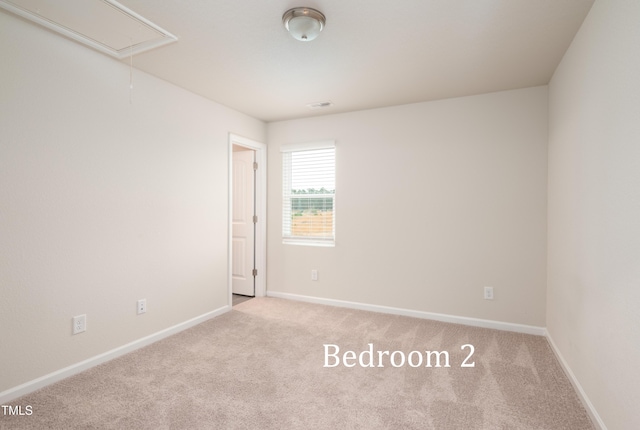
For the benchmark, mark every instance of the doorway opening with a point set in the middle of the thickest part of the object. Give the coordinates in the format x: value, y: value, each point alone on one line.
x: 247, y: 219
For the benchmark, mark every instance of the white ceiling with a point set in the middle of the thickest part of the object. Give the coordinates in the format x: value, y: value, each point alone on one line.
x: 372, y: 53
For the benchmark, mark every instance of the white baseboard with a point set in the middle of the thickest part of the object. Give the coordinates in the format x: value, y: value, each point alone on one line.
x: 476, y: 322
x: 591, y: 410
x: 43, y: 381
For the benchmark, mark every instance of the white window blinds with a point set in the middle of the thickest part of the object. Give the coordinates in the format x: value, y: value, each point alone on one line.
x: 309, y: 189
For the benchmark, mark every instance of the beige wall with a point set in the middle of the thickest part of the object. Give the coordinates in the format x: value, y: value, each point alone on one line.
x: 434, y: 201
x: 102, y: 202
x: 594, y: 210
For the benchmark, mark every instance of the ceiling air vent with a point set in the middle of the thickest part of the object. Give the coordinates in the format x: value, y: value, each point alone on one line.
x: 105, y: 25
x: 319, y: 105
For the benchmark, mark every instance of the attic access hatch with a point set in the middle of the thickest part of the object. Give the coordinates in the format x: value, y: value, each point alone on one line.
x: 105, y: 25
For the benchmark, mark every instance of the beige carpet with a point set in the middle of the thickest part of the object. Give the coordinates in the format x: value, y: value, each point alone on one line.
x: 260, y: 366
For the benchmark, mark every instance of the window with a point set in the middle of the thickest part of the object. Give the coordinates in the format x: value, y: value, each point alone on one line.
x: 309, y: 190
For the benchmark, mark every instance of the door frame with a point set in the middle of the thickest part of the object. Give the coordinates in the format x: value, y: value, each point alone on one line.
x: 261, y: 211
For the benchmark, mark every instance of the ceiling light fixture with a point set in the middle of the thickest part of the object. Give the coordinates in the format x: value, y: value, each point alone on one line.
x: 303, y: 23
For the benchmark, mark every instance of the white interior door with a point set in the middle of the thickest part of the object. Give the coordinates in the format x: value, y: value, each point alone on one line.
x: 243, y: 235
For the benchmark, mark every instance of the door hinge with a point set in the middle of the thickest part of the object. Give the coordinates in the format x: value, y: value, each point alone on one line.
x: 255, y: 165
x: 255, y: 219
x: 255, y: 272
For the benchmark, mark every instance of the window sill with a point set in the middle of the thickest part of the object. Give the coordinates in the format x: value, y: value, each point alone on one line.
x: 320, y: 243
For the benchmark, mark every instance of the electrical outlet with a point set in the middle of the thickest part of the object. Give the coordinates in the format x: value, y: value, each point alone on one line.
x: 314, y: 275
x: 79, y: 324
x: 488, y: 293
x: 142, y: 306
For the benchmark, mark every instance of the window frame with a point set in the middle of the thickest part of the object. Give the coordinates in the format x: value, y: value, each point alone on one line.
x: 287, y: 238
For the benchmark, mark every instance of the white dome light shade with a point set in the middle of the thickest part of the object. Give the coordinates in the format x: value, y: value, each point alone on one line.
x: 303, y: 23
